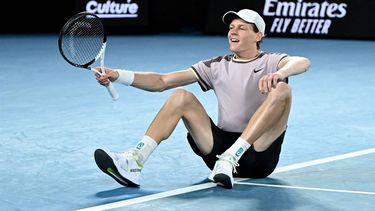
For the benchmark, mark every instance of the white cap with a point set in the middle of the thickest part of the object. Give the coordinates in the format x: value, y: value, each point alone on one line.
x: 247, y: 15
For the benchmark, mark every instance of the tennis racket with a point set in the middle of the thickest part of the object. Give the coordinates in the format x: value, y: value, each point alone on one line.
x: 82, y: 42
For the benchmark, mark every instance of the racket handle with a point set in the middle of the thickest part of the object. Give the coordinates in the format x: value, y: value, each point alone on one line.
x: 112, y: 91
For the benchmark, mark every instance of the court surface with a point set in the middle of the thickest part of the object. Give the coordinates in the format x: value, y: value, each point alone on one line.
x: 53, y: 117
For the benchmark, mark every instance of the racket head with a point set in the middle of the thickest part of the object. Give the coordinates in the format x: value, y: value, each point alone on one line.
x: 82, y: 39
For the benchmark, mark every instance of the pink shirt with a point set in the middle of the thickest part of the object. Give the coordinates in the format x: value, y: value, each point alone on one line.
x: 235, y: 84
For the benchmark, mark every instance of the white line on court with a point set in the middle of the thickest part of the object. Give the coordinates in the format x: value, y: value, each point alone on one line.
x: 210, y: 185
x: 306, y: 188
x: 324, y: 160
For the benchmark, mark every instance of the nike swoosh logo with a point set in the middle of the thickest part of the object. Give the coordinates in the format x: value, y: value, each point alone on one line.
x: 255, y: 71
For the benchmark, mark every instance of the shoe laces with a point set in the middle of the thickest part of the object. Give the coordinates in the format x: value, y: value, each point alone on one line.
x: 230, y: 160
x: 129, y: 156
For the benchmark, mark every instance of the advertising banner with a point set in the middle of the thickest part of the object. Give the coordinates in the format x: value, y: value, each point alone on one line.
x: 117, y: 12
x: 307, y: 18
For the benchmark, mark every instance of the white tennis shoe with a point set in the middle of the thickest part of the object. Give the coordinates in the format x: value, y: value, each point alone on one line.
x: 123, y: 167
x: 222, y: 174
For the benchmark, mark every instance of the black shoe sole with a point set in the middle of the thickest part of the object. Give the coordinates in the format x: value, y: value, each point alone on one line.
x: 223, y: 180
x: 105, y: 163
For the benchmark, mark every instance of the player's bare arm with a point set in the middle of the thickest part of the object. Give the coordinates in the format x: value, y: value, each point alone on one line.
x: 152, y: 81
x: 288, y: 66
x: 160, y: 82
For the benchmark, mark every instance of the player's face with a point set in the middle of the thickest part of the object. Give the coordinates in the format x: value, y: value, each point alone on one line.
x: 242, y: 37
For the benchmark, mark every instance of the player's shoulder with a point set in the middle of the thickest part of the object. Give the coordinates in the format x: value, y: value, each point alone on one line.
x: 271, y: 54
x: 218, y: 59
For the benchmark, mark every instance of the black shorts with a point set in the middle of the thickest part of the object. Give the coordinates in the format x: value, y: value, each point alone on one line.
x: 253, y: 164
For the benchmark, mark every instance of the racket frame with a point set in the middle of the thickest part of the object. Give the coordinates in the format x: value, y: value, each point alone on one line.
x: 112, y: 91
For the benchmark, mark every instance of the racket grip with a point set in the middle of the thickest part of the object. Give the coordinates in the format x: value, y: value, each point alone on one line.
x: 112, y: 91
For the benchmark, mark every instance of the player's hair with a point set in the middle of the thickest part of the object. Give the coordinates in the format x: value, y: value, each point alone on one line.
x: 256, y: 30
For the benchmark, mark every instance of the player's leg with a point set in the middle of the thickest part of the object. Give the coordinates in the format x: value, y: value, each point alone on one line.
x: 125, y: 167
x: 265, y: 126
x: 271, y: 119
x: 182, y: 104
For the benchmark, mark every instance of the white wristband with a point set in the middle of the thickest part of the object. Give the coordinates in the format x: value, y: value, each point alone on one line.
x: 125, y: 77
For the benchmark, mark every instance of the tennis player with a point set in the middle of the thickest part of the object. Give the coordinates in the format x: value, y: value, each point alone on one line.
x: 254, y: 100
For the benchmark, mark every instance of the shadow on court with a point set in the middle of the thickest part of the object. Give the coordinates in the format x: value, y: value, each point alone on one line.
x: 246, y: 197
x: 125, y: 191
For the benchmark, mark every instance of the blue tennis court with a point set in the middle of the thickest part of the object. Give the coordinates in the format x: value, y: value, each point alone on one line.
x: 53, y: 116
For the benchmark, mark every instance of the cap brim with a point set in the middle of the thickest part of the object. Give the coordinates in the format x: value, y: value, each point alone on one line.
x: 229, y: 16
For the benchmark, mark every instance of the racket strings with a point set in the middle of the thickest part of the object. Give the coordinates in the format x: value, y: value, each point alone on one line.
x: 82, y: 40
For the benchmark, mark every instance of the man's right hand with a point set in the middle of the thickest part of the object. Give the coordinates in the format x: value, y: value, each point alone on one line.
x: 109, y: 75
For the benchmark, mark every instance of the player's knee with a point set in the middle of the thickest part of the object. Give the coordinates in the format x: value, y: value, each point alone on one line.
x: 282, y: 93
x: 181, y: 97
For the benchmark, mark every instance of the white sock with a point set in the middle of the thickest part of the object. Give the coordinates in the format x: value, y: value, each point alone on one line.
x: 145, y: 147
x: 238, y: 148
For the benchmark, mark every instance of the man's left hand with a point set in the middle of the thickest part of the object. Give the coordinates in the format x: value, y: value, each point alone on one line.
x: 268, y: 81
